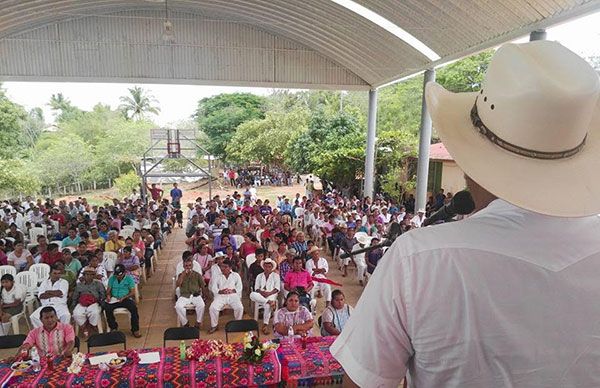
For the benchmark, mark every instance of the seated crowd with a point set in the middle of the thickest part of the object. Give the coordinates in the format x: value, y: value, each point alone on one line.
x: 238, y: 247
x: 78, y: 259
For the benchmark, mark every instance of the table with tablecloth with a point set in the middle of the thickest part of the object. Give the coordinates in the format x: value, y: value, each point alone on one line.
x: 311, y: 366
x: 170, y: 372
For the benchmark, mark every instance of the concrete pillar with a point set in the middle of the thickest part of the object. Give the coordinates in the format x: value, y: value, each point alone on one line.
x: 370, y: 157
x: 424, y: 144
x: 537, y: 35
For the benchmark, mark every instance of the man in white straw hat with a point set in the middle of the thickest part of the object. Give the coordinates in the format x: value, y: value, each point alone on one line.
x: 418, y: 219
x: 363, y: 240
x: 318, y: 267
x: 266, y: 289
x: 509, y: 296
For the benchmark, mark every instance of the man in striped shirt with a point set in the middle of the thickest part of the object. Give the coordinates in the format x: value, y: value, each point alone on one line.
x: 53, y: 337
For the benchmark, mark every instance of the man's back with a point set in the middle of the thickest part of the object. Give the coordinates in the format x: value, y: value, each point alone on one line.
x: 505, y: 298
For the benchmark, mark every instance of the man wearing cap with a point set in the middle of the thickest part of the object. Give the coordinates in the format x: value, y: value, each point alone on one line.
x: 508, y: 296
x: 120, y: 293
x: 86, y: 298
x: 318, y: 267
x: 266, y: 288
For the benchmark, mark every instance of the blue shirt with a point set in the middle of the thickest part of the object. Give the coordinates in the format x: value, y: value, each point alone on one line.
x: 176, y: 194
x: 119, y: 289
x: 71, y: 242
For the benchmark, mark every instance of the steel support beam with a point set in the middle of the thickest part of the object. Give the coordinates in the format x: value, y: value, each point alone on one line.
x: 424, y: 144
x: 370, y: 157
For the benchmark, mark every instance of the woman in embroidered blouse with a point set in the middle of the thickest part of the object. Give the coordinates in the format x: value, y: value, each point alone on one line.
x: 292, y: 315
x: 336, y: 315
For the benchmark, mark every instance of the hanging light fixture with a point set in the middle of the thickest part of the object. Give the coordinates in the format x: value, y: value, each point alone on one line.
x: 168, y: 35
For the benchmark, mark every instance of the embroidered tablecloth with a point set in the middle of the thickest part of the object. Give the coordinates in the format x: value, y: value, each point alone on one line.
x: 311, y: 366
x: 170, y: 372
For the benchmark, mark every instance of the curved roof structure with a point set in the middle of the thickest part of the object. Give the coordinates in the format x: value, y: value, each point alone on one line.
x: 275, y: 43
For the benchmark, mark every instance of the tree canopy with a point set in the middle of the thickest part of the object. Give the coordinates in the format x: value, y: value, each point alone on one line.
x: 219, y: 117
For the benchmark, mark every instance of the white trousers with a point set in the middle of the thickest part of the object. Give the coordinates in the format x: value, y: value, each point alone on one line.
x: 361, y: 266
x: 258, y: 298
x: 181, y: 310
x: 346, y: 261
x: 61, y: 310
x: 222, y: 301
x: 91, y: 313
x: 324, y: 288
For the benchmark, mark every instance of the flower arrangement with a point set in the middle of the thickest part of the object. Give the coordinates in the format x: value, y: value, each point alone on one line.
x: 203, y: 350
x: 254, y: 350
x: 76, y: 364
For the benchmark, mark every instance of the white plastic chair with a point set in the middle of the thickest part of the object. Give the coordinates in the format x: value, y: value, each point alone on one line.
x: 29, y: 280
x: 35, y: 232
x: 258, y: 306
x: 251, y: 258
x: 109, y: 262
x: 41, y: 270
x: 239, y: 240
x: 14, y: 320
x: 259, y: 235
x: 126, y: 233
x: 8, y: 269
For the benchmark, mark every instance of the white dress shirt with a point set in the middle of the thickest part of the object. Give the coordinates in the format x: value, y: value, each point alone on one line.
x: 232, y: 282
x: 504, y: 298
x: 60, y: 284
x: 322, y: 263
x: 270, y: 284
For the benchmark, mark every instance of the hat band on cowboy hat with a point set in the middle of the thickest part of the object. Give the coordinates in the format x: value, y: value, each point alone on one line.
x: 532, y: 133
x: 536, y: 154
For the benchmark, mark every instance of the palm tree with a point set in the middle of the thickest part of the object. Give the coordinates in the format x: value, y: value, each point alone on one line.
x: 138, y: 104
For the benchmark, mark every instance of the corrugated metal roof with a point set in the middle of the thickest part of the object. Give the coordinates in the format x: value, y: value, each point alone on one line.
x: 293, y: 43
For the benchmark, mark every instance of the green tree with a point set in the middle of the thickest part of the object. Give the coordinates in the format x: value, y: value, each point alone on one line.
x: 332, y: 147
x: 219, y: 116
x: 138, y: 104
x: 12, y: 141
x: 266, y: 140
x: 60, y: 160
x: 465, y: 75
x: 62, y: 107
x: 127, y: 182
x: 15, y: 178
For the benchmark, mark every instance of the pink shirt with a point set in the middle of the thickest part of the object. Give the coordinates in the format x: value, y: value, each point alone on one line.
x: 53, y: 342
x: 298, y: 279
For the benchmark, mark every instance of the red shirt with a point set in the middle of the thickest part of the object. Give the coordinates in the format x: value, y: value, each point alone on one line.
x: 51, y: 258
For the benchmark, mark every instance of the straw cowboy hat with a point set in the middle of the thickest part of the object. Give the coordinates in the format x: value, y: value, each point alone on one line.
x: 268, y: 261
x: 313, y: 249
x: 363, y: 238
x: 531, y: 136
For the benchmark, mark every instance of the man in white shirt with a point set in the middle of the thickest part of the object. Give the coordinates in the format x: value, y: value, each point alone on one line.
x: 418, y: 219
x: 318, y: 267
x: 13, y: 295
x: 227, y: 291
x: 509, y: 296
x: 266, y: 288
x: 53, y: 292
